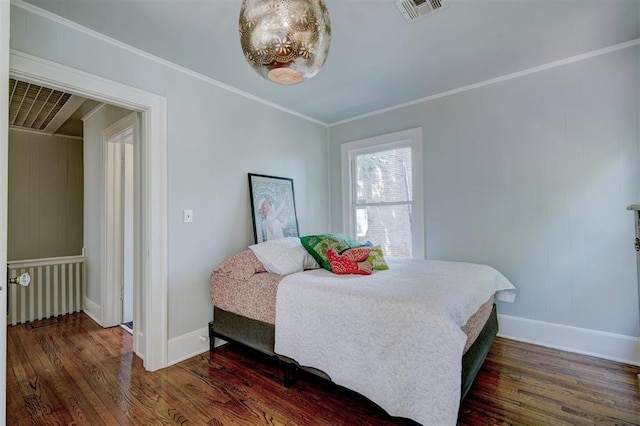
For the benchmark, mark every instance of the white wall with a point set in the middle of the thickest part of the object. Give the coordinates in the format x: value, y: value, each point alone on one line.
x: 215, y: 137
x: 94, y: 124
x: 532, y: 175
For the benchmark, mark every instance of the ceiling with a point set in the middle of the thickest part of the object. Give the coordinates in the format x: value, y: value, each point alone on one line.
x: 377, y: 60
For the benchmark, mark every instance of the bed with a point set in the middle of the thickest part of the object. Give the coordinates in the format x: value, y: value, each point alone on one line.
x: 367, y: 333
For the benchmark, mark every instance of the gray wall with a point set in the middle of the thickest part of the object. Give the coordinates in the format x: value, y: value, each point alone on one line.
x: 45, y: 196
x: 532, y: 176
x: 215, y: 138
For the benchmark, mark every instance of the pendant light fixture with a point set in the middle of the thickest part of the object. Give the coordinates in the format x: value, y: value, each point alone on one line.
x: 285, y: 41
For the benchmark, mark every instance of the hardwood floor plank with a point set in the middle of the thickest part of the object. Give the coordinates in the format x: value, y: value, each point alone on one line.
x: 554, y: 386
x: 78, y: 373
x: 587, y: 397
x: 81, y: 408
x: 91, y: 407
x: 38, y: 390
x: 239, y: 404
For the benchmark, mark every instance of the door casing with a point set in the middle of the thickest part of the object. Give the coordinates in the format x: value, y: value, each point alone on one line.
x: 5, y: 8
x: 151, y: 223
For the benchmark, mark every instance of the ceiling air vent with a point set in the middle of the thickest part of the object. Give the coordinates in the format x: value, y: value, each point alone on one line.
x: 412, y: 10
x: 39, y: 108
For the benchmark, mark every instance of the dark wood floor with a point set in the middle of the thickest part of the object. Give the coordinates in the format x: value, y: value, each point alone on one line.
x: 78, y: 373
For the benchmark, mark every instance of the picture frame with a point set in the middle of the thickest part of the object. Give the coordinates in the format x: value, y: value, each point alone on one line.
x: 273, y: 207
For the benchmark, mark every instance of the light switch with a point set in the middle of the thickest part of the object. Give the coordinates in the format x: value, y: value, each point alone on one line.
x: 188, y: 215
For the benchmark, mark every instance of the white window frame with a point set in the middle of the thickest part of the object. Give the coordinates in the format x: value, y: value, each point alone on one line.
x: 405, y: 138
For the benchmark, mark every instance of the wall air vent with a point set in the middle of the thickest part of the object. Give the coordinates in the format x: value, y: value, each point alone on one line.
x: 412, y: 10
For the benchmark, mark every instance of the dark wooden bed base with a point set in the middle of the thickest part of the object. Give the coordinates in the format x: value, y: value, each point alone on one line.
x: 261, y: 336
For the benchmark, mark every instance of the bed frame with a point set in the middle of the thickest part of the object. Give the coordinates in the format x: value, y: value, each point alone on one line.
x: 261, y: 337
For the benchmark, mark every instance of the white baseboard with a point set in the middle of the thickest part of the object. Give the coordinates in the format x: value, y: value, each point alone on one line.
x: 614, y: 347
x: 93, y: 310
x: 139, y: 344
x: 188, y: 345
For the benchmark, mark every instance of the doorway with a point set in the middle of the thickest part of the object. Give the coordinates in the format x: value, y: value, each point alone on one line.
x: 150, y: 224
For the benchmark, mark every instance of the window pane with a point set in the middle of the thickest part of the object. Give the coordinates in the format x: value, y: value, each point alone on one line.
x: 383, y: 176
x: 382, y: 191
x: 386, y: 226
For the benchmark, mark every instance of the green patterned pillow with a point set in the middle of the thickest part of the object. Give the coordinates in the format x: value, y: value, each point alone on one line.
x: 317, y: 246
x: 376, y: 258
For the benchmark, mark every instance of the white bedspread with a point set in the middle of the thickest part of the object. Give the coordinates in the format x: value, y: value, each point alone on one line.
x: 394, y: 336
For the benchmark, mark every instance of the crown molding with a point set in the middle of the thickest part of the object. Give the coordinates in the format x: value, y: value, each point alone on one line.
x: 528, y: 71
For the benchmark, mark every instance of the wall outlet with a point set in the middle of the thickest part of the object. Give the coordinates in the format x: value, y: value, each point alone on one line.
x: 188, y: 216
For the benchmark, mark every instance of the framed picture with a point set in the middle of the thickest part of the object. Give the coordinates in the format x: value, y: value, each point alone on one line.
x: 273, y: 207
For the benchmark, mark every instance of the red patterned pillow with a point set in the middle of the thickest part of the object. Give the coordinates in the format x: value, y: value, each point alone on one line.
x: 351, y: 261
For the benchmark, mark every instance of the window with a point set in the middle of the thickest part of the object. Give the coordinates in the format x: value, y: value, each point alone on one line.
x: 382, y: 192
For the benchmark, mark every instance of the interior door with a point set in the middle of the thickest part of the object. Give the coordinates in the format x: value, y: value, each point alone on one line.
x: 4, y: 153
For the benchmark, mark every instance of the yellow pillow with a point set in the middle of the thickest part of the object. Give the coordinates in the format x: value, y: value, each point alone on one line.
x: 376, y: 258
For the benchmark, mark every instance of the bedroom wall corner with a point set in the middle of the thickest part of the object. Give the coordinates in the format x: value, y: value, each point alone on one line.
x: 532, y: 175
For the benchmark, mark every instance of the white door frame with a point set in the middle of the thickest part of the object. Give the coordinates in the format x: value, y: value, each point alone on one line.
x: 113, y: 227
x: 129, y: 294
x: 5, y: 7
x: 111, y: 240
x: 153, y: 185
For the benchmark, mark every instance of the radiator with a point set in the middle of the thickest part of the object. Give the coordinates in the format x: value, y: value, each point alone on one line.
x: 56, y: 288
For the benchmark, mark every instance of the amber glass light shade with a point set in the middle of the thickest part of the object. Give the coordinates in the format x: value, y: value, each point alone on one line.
x: 285, y: 41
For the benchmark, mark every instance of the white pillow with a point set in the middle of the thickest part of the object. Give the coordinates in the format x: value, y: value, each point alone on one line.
x: 283, y: 256
x: 309, y: 261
